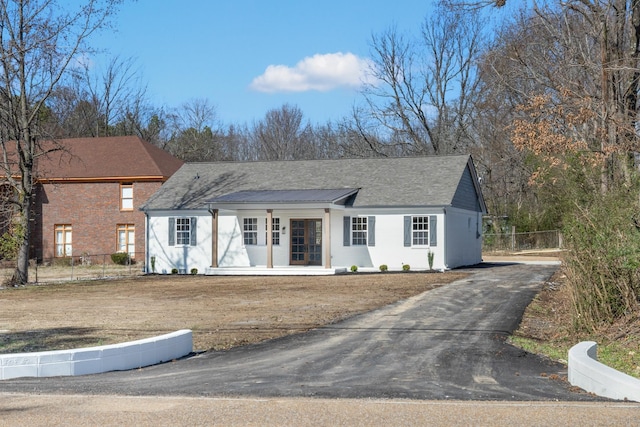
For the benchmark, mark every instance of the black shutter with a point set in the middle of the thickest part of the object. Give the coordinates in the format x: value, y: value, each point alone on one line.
x: 433, y: 230
x: 346, y: 231
x: 194, y: 226
x: 371, y: 228
x: 407, y: 230
x: 172, y: 231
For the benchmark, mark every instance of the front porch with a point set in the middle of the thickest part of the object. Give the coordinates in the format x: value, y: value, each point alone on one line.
x: 262, y: 270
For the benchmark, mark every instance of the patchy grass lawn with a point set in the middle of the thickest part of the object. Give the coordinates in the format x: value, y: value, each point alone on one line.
x: 546, y: 329
x: 222, y: 311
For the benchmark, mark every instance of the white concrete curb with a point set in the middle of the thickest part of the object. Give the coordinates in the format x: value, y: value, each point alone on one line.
x: 95, y: 360
x: 587, y: 373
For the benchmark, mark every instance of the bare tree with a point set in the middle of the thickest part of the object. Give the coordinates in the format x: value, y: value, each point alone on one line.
x: 426, y: 88
x: 74, y: 114
x: 504, y: 85
x: 39, y: 39
x: 150, y: 125
x: 361, y: 135
x: 560, y: 77
x: 579, y: 52
x: 477, y: 4
x: 118, y: 91
x: 100, y: 102
x: 195, y: 132
x: 279, y: 135
x: 237, y: 144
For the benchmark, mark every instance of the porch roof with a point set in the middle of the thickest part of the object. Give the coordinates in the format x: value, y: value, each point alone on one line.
x: 336, y: 196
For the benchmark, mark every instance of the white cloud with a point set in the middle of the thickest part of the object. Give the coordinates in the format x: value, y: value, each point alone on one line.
x: 317, y: 72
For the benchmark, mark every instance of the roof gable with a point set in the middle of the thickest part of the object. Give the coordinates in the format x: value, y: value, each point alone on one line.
x: 126, y: 157
x: 468, y: 195
x: 382, y: 182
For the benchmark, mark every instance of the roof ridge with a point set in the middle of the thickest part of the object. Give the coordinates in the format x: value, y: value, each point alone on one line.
x: 330, y: 160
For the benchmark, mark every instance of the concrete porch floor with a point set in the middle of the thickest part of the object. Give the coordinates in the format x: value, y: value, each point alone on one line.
x: 293, y: 270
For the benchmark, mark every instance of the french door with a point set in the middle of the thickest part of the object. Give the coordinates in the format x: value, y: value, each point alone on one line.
x: 306, y: 241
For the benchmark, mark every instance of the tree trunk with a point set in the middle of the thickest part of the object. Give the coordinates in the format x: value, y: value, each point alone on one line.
x: 21, y: 273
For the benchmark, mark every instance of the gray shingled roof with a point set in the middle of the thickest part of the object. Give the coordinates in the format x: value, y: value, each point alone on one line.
x: 384, y: 182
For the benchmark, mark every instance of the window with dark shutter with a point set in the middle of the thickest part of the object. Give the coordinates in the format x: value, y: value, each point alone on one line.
x: 172, y: 231
x: 371, y: 224
x: 407, y: 231
x: 193, y: 240
x: 421, y: 230
x: 359, y: 231
x: 433, y: 230
x: 183, y: 231
x: 346, y: 231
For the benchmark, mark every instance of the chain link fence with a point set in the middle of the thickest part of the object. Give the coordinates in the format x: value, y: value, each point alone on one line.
x: 520, y: 242
x: 82, y: 267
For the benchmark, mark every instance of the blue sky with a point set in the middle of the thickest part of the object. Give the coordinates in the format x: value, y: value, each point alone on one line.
x: 249, y: 56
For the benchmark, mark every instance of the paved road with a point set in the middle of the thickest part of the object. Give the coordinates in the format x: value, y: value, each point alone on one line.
x: 448, y: 343
x: 87, y: 410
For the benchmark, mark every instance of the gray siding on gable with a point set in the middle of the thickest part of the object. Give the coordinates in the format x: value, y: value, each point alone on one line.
x: 466, y: 196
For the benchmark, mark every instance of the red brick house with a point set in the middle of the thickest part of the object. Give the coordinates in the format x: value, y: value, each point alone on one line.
x: 88, y: 196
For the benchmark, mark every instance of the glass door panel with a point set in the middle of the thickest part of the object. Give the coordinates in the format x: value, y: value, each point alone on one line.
x: 306, y: 242
x: 298, y: 242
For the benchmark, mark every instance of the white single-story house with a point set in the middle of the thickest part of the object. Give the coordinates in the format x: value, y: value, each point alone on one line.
x: 316, y: 215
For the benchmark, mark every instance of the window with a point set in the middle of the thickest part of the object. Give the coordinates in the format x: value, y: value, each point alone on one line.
x: 420, y: 231
x: 250, y: 231
x: 126, y: 239
x: 62, y: 240
x: 183, y: 231
x: 275, y: 231
x: 126, y: 197
x: 359, y: 231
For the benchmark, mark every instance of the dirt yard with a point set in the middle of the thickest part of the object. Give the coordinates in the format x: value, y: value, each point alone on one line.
x: 222, y: 312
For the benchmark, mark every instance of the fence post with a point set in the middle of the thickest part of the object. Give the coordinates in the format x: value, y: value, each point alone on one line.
x: 513, y: 238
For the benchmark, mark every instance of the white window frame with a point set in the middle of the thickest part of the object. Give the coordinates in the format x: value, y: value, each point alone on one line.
x: 183, y: 231
x: 126, y: 197
x: 359, y: 231
x: 250, y: 231
x: 420, y: 225
x: 275, y: 231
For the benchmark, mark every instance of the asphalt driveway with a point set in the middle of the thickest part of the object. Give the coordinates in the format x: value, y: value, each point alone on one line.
x: 447, y: 343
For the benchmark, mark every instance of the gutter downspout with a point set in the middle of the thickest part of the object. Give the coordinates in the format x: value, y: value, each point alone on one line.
x: 147, y: 256
x: 444, y: 239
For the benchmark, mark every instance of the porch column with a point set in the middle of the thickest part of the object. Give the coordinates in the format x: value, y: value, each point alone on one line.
x: 327, y: 238
x: 214, y: 238
x: 269, y: 238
